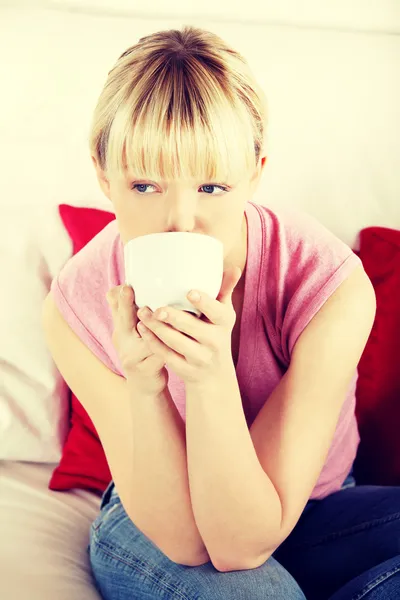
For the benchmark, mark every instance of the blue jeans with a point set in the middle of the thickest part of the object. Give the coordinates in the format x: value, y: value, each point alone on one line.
x: 344, y: 547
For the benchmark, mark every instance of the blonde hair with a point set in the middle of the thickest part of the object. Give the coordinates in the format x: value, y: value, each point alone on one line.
x: 179, y: 104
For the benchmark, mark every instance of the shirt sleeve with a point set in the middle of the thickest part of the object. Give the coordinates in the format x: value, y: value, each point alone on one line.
x: 315, y: 262
x: 79, y: 291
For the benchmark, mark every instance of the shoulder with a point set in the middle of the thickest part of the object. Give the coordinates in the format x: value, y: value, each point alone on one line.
x: 98, y: 264
x: 303, y: 264
x: 79, y: 290
x: 293, y: 230
x: 103, y: 248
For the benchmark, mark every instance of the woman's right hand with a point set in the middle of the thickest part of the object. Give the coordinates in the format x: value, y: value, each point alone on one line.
x: 142, y: 368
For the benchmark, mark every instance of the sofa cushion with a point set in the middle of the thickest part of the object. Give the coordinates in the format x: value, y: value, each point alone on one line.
x: 44, y: 536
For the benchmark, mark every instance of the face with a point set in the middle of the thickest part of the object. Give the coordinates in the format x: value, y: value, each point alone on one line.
x: 144, y: 206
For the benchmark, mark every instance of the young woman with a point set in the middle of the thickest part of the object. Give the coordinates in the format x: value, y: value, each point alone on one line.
x: 230, y: 438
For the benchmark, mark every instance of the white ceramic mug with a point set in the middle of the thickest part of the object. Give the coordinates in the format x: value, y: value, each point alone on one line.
x: 163, y: 267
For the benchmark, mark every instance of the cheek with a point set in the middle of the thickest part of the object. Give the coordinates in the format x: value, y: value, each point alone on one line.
x: 126, y: 227
x: 132, y: 223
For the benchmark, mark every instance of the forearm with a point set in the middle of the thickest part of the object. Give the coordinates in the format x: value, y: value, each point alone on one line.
x: 236, y: 506
x: 161, y: 505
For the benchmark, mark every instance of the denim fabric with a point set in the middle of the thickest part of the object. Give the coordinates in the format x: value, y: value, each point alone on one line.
x: 344, y: 547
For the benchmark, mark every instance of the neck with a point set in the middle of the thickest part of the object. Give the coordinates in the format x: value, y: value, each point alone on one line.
x: 238, y: 256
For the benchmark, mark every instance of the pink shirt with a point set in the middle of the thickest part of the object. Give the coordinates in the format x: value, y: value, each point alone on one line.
x: 294, y: 264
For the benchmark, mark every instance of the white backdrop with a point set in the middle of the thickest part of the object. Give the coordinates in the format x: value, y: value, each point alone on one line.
x: 356, y: 15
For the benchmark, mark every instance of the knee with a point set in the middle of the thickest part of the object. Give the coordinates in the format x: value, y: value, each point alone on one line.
x: 267, y: 581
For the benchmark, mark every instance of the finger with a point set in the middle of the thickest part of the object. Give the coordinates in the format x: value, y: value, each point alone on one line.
x: 152, y: 363
x: 162, y: 355
x: 185, y: 322
x: 174, y: 340
x: 220, y: 310
x: 142, y: 349
x: 112, y: 299
x: 127, y: 309
x: 153, y: 341
x: 210, y: 308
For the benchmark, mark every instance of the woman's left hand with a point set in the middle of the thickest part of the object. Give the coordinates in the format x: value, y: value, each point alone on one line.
x: 195, y: 349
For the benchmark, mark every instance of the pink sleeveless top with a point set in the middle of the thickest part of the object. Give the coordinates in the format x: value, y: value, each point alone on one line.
x: 294, y: 264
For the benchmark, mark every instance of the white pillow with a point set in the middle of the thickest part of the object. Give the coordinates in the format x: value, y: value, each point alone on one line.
x: 33, y: 396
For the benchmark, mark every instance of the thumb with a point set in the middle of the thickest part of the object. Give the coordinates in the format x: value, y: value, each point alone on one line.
x: 229, y: 282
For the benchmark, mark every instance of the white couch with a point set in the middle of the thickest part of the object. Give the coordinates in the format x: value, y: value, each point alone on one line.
x: 331, y: 76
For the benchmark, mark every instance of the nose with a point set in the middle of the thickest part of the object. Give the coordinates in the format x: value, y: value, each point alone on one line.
x: 181, y: 214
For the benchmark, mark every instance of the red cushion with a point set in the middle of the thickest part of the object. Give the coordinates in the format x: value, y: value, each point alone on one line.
x: 378, y: 389
x: 83, y: 463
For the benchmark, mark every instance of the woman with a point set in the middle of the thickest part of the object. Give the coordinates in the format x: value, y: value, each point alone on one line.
x: 230, y: 438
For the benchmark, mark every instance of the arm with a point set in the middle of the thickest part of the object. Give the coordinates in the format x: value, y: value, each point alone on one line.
x: 163, y: 509
x: 249, y: 488
x: 143, y: 439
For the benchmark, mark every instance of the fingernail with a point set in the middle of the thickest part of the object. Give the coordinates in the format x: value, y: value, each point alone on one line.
x: 122, y: 291
x: 193, y: 295
x: 144, y: 312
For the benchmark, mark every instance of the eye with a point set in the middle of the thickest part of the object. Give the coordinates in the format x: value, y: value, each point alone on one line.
x: 210, y: 185
x: 141, y: 185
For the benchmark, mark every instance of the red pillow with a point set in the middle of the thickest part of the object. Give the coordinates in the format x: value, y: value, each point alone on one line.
x: 83, y: 463
x: 378, y: 389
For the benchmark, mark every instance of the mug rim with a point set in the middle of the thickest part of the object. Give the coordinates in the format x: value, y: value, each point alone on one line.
x: 176, y: 233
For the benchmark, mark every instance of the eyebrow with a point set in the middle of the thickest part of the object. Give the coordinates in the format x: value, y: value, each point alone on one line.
x: 130, y: 178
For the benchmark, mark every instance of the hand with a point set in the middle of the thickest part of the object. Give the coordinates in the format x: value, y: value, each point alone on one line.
x: 194, y: 348
x: 141, y: 367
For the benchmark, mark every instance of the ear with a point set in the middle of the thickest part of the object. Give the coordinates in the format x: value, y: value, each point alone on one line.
x: 255, y: 179
x: 101, y: 178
